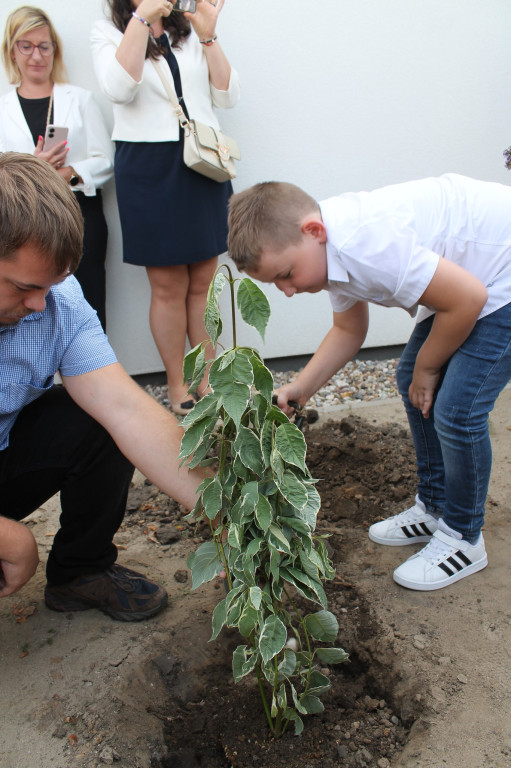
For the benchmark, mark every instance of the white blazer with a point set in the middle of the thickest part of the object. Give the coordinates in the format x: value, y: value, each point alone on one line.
x: 90, y: 148
x: 142, y: 110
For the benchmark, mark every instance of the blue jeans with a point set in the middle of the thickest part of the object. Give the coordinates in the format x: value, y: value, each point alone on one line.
x: 453, y: 446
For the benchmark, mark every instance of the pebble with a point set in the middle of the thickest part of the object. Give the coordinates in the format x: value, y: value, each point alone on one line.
x: 358, y: 380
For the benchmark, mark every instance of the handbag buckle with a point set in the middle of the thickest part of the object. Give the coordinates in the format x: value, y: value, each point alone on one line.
x: 223, y: 151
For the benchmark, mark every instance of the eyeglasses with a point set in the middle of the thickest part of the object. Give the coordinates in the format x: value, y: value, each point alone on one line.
x: 26, y: 48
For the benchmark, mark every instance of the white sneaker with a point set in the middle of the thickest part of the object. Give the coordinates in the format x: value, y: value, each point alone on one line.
x: 446, y: 559
x: 412, y: 526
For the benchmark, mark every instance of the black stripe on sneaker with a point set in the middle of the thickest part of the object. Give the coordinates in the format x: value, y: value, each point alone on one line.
x: 416, y: 529
x: 463, y: 557
x: 458, y: 566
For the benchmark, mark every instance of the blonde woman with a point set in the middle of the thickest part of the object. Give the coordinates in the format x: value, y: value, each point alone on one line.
x: 32, y: 57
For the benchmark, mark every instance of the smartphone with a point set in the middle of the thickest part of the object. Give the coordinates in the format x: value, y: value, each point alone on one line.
x: 185, y: 5
x: 55, y: 134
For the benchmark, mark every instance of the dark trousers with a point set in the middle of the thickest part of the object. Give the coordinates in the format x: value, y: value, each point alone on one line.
x: 55, y: 446
x: 91, y: 272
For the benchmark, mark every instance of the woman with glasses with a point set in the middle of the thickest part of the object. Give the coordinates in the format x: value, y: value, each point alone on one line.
x: 32, y: 57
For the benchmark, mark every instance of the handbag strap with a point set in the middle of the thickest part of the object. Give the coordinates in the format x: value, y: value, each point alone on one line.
x: 171, y: 93
x: 178, y: 109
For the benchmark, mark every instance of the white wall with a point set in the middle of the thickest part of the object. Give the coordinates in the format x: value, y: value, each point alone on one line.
x: 337, y: 95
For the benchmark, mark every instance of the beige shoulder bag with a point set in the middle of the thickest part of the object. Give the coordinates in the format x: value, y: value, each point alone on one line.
x: 207, y: 150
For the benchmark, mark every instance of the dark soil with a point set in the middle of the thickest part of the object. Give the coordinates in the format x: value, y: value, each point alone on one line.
x: 366, y: 473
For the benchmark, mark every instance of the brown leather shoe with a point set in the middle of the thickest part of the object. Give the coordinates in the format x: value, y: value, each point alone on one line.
x: 119, y: 592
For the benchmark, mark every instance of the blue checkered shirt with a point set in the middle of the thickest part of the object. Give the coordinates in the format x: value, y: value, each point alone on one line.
x: 66, y: 337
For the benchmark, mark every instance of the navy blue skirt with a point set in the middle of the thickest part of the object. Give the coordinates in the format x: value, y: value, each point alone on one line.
x: 169, y: 214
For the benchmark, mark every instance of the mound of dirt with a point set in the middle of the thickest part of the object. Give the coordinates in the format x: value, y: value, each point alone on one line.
x: 214, y: 724
x: 427, y: 683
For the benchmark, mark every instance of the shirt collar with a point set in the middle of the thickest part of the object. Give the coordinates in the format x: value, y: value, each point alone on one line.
x: 335, y: 270
x: 28, y: 318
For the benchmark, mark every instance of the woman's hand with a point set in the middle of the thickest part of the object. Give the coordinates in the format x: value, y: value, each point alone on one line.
x: 66, y: 172
x: 56, y: 156
x: 422, y: 389
x: 205, y: 17
x: 153, y: 10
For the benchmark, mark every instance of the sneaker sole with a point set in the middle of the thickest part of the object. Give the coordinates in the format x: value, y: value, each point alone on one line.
x: 399, y: 542
x: 429, y: 587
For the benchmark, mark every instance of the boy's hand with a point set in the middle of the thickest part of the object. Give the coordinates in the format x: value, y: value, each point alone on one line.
x: 422, y: 390
x: 289, y: 393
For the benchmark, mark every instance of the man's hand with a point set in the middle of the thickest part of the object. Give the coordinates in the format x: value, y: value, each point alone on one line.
x: 19, y: 557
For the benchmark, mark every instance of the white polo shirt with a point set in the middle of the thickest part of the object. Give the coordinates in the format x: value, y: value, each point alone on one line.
x: 384, y: 246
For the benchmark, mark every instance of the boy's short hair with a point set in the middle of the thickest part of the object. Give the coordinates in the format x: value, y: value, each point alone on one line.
x: 38, y: 208
x: 267, y: 215
x: 19, y: 22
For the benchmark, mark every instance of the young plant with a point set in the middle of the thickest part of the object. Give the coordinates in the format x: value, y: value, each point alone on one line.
x: 261, y: 506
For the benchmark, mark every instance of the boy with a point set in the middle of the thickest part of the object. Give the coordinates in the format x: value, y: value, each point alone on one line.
x: 443, y: 244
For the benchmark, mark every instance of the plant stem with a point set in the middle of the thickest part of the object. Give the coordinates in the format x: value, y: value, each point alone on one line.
x: 233, y: 305
x: 301, y: 621
x: 265, y: 703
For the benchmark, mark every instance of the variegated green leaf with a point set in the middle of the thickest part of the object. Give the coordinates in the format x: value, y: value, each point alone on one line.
x: 332, y: 655
x: 235, y: 536
x: 322, y: 626
x: 263, y: 380
x: 278, y: 539
x: 212, y: 316
x: 248, y: 620
x: 248, y: 448
x: 293, y: 490
x: 311, y: 704
x: 291, y: 445
x: 253, y: 305
x: 318, y: 683
x: 189, y: 362
x: 212, y: 498
x: 242, y: 663
x: 205, y: 407
x: 218, y: 620
x: 263, y: 513
x: 272, y: 638
x: 256, y: 596
x: 204, y: 564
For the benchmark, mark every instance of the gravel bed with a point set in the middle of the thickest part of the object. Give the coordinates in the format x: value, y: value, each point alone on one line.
x: 358, y: 380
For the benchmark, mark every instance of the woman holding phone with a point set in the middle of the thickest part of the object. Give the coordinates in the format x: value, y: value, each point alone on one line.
x: 59, y: 123
x: 173, y: 220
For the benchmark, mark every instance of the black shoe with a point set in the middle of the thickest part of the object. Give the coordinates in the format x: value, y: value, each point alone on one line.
x: 123, y: 594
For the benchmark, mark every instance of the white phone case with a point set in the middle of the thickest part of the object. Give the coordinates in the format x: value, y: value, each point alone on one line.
x: 55, y: 134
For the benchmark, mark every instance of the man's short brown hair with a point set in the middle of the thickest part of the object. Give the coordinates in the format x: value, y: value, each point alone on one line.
x: 37, y: 207
x: 267, y: 215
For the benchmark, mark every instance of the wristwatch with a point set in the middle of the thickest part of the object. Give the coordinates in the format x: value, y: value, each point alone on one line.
x: 75, y: 179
